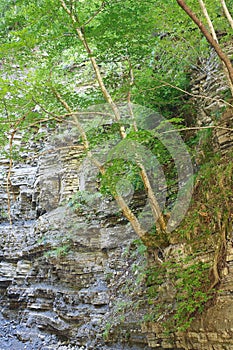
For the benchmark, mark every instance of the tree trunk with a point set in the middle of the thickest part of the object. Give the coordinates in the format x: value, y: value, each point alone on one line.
x: 227, y: 13
x: 152, y: 200
x: 210, y: 24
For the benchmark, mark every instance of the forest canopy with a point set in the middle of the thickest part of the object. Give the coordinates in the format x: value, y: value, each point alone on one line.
x: 155, y: 40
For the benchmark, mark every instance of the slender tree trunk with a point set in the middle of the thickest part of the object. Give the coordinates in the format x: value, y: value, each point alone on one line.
x: 210, y: 24
x: 227, y: 13
x: 142, y: 234
x: 154, y: 203
x: 152, y: 199
x: 107, y: 96
x: 223, y: 57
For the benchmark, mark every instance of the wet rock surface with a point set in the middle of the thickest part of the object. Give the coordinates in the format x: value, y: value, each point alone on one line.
x: 61, y: 271
x: 14, y: 335
x: 67, y: 291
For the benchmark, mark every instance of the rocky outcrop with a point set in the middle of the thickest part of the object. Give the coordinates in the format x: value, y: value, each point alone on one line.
x: 67, y: 276
x: 212, y: 330
x: 210, y: 95
x: 62, y: 272
x: 223, y: 135
x: 209, y: 88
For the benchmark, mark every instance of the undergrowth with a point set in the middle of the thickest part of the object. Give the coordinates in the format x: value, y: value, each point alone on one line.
x: 185, y: 283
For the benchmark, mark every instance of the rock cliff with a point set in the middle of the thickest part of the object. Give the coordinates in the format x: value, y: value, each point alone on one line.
x: 62, y: 272
x: 67, y: 276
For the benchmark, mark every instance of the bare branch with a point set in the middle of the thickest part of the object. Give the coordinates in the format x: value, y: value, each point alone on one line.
x: 131, y: 83
x: 60, y: 99
x: 212, y: 30
x: 86, y: 113
x: 107, y: 96
x: 198, y: 128
x: 195, y: 95
x: 66, y: 8
x: 100, y: 9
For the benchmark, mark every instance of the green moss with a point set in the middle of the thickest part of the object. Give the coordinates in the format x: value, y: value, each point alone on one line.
x: 58, y: 252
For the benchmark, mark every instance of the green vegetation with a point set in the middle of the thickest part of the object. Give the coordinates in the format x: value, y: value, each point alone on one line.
x: 59, y: 57
x: 184, y: 280
x: 39, y: 51
x: 178, y: 291
x: 84, y: 201
x: 58, y: 252
x: 210, y: 208
x: 179, y: 288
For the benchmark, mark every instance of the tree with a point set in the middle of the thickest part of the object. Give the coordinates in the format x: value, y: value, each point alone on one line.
x: 158, y: 216
x: 48, y: 46
x: 61, y: 56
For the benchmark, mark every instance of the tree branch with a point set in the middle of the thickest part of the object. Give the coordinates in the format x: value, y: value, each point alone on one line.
x: 131, y: 83
x: 223, y: 57
x: 107, y: 96
x: 212, y: 30
x: 227, y: 13
x: 196, y: 96
x: 198, y: 128
x: 95, y: 14
x: 210, y: 24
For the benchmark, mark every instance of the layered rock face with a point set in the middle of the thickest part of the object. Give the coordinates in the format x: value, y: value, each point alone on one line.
x: 62, y: 270
x: 211, y: 330
x: 223, y: 134
x: 210, y: 96
x: 209, y: 88
x: 66, y: 271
